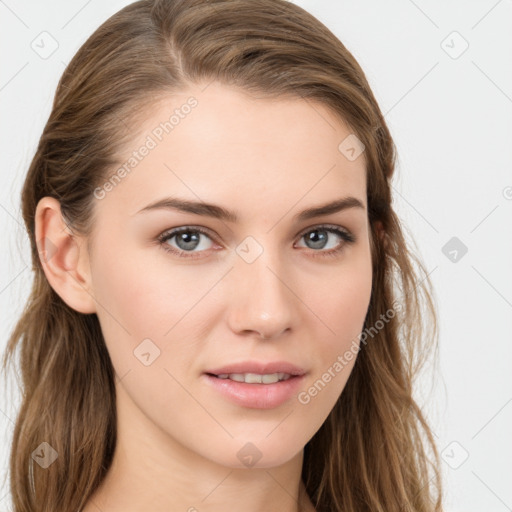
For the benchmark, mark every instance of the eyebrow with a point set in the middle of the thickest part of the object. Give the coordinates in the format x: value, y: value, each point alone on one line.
x: 219, y: 212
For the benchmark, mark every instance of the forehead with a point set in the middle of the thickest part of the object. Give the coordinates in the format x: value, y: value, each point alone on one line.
x: 224, y: 145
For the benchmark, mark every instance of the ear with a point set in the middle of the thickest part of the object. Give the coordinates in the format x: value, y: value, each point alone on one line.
x: 381, y: 233
x: 63, y: 256
x: 380, y: 229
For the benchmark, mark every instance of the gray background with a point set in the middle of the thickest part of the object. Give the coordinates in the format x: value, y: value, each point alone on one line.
x: 449, y: 109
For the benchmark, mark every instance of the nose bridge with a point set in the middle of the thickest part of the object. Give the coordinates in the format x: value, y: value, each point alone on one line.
x: 261, y: 300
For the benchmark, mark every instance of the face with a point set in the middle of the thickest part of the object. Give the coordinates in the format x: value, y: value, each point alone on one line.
x: 257, y: 284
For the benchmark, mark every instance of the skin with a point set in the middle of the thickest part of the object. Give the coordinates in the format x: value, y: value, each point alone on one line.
x: 268, y: 160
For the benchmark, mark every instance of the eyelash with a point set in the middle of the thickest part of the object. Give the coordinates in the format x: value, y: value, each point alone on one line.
x: 346, y: 236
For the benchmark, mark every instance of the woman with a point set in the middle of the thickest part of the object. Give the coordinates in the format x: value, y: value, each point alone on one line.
x: 224, y: 310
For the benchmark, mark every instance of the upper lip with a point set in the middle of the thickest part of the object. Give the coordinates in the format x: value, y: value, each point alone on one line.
x: 261, y: 368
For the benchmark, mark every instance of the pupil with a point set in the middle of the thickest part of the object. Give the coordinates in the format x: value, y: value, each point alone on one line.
x: 187, y: 241
x: 318, y: 241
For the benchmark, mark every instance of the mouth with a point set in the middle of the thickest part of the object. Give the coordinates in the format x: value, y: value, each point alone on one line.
x: 254, y: 378
x: 253, y: 370
x: 263, y: 389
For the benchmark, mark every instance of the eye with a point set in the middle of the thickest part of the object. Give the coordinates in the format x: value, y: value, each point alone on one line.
x: 318, y: 238
x: 188, y: 238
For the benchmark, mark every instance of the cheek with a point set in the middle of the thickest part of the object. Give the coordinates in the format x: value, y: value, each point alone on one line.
x: 343, y: 300
x: 143, y: 295
x: 144, y: 298
x: 147, y: 330
x: 341, y: 306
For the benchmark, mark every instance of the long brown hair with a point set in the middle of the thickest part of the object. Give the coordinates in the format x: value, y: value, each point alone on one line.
x: 375, y: 451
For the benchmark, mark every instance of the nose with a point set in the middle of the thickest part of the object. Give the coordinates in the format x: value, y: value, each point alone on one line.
x: 261, y: 298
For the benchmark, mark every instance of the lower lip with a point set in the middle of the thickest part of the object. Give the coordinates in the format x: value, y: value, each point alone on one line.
x: 257, y: 396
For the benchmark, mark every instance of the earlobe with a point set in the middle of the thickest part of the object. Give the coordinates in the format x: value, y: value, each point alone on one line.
x: 63, y: 257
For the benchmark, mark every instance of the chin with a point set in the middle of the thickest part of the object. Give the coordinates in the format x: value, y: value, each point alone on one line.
x: 257, y: 454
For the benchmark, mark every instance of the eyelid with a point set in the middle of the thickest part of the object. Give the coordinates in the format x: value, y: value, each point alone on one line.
x: 169, y: 233
x: 325, y: 226
x: 209, y: 233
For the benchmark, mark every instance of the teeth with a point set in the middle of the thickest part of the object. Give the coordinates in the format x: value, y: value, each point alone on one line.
x: 255, y: 378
